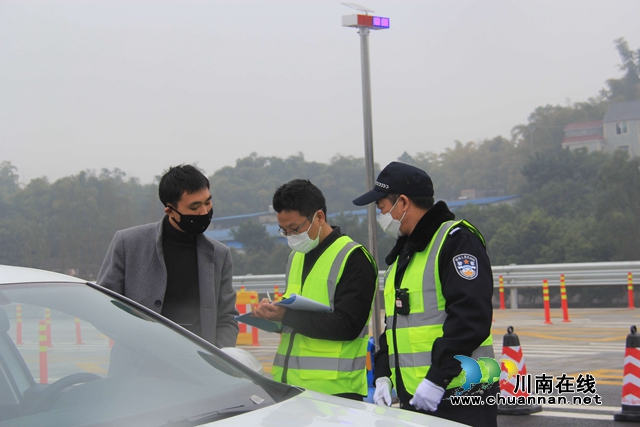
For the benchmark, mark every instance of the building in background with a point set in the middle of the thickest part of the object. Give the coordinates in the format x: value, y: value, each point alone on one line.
x: 619, y: 130
x: 622, y: 127
x: 589, y: 135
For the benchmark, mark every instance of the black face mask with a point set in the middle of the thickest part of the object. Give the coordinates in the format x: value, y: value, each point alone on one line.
x: 193, y: 224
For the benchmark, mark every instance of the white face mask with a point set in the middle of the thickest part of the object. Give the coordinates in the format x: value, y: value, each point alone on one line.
x: 390, y: 225
x: 302, y: 242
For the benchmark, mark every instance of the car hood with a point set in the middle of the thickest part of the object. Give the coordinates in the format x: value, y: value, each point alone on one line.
x: 314, y: 409
x: 12, y: 274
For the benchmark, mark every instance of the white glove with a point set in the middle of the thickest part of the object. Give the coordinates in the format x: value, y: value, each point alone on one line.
x: 382, y: 395
x: 427, y: 396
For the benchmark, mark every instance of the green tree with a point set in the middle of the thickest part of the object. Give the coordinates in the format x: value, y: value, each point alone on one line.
x: 626, y: 88
x: 491, y: 167
x: 8, y: 186
x: 357, y: 229
x: 249, y: 186
x: 489, y: 219
x: 574, y: 206
x: 618, y: 208
x: 545, y: 131
x: 8, y: 179
x: 24, y: 226
x: 254, y: 237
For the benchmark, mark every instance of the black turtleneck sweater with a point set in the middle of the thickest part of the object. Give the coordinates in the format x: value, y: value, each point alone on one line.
x: 182, y: 297
x: 468, y: 302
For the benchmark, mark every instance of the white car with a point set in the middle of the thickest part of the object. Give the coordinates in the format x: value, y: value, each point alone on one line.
x: 75, y: 354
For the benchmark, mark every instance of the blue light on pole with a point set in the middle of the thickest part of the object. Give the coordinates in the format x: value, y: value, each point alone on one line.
x: 380, y: 22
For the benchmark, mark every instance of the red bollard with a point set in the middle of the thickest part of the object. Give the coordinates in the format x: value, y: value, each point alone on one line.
x: 42, y: 338
x: 631, y: 376
x: 247, y: 335
x: 563, y: 299
x: 502, y: 307
x: 630, y: 289
x: 47, y: 319
x: 512, y: 355
x: 254, y: 330
x: 18, y: 324
x: 78, y: 332
x: 545, y: 299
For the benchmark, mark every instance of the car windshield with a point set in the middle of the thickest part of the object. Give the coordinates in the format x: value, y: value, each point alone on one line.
x: 72, y: 355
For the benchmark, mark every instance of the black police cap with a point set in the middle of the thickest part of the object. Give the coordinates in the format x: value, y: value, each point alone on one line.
x: 398, y: 178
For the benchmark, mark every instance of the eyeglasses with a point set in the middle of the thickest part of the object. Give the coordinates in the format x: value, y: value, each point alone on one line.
x: 285, y: 233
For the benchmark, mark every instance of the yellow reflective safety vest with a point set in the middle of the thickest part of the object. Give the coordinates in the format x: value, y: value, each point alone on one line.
x: 325, y: 366
x: 416, y: 332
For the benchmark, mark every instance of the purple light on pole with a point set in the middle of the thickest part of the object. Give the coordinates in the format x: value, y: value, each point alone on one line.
x: 380, y: 22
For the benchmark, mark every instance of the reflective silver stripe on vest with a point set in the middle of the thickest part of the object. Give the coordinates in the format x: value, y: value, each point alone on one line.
x: 333, y: 279
x: 335, y: 270
x: 409, y: 360
x: 419, y: 319
x: 412, y: 360
x: 322, y: 363
x: 431, y: 315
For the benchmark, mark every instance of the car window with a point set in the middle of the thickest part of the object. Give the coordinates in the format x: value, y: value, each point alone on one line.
x: 71, y: 355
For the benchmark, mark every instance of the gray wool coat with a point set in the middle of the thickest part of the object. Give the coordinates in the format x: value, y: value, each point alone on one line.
x: 134, y: 267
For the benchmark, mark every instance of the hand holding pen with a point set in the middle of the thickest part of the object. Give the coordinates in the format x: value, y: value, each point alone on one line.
x: 266, y: 309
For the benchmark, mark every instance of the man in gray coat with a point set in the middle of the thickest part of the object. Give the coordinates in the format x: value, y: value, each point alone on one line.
x: 171, y: 268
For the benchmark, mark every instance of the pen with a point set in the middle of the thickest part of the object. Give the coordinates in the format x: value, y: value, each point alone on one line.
x: 268, y: 296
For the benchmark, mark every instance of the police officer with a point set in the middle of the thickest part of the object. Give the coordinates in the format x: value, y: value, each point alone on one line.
x: 324, y: 352
x: 437, y: 294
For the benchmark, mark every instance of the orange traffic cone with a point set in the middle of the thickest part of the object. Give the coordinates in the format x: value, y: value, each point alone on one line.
x: 514, y: 381
x: 631, y: 379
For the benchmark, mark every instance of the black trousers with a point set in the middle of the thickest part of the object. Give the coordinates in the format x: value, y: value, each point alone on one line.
x: 483, y: 415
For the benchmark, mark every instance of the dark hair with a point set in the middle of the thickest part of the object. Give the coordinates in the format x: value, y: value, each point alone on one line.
x: 299, y: 195
x: 179, y: 179
x: 422, y: 202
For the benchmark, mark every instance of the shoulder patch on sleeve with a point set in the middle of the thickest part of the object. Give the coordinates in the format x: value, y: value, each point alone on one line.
x: 466, y: 265
x: 452, y: 232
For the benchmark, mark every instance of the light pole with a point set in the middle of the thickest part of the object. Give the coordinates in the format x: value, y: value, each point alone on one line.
x: 364, y: 23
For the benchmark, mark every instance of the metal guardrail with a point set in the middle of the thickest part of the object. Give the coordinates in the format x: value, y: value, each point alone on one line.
x: 258, y: 282
x: 578, y: 274
x: 514, y: 276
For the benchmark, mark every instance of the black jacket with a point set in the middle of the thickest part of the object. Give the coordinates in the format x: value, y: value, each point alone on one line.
x: 468, y: 302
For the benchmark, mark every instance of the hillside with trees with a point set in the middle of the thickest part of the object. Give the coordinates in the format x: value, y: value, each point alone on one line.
x: 574, y: 206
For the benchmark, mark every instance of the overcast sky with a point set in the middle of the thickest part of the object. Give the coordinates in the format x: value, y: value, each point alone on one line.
x: 143, y: 85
